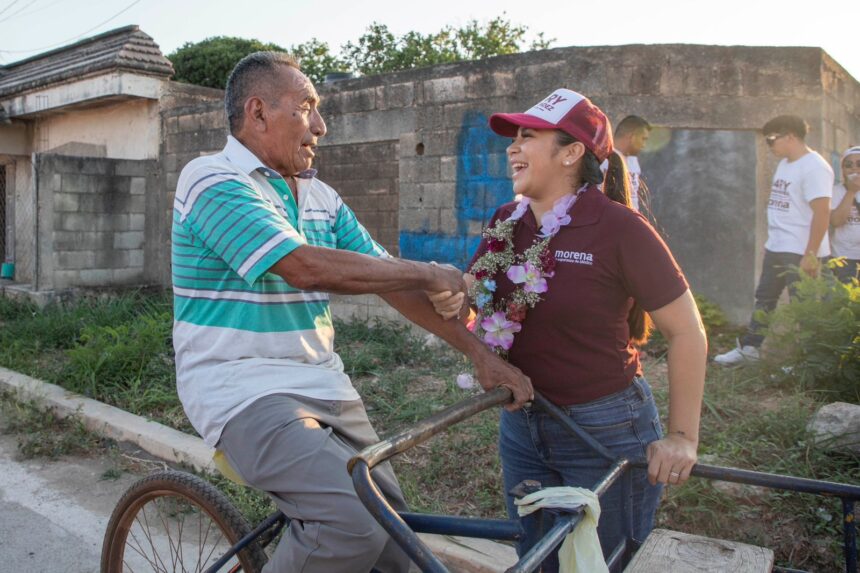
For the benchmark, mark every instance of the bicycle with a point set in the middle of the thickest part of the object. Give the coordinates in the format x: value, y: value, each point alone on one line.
x: 238, y: 548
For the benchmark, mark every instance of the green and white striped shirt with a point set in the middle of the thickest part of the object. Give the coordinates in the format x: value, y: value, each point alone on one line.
x: 241, y: 332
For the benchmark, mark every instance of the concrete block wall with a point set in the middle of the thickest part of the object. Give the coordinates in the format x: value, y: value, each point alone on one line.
x: 452, y: 170
x: 366, y: 177
x: 410, y: 152
x: 92, y: 220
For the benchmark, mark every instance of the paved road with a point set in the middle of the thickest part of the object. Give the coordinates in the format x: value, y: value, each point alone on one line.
x: 53, y: 514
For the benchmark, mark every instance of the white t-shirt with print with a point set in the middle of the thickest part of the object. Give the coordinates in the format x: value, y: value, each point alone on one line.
x: 845, y: 240
x: 634, y: 170
x: 789, y: 215
x: 635, y: 173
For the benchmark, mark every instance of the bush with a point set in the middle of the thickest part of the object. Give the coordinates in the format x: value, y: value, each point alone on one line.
x: 713, y: 318
x: 814, y: 340
x: 210, y: 61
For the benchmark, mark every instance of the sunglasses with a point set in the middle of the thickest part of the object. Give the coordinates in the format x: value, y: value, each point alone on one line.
x: 851, y: 164
x: 771, y: 139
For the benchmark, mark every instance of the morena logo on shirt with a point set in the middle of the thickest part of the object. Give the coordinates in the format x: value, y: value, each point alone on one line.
x: 574, y: 257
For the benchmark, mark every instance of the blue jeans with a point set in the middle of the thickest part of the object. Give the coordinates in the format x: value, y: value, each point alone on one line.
x: 534, y: 446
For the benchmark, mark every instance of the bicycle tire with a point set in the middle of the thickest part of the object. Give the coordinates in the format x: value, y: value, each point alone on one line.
x: 176, y: 496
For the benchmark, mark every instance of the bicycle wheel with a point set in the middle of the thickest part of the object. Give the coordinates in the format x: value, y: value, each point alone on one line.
x: 172, y: 521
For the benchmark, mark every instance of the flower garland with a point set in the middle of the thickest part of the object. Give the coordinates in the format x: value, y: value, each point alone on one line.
x: 498, y: 321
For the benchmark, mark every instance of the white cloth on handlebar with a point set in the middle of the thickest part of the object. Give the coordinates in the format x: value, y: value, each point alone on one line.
x: 580, y: 552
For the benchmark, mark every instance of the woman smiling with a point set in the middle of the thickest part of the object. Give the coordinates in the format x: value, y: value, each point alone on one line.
x: 560, y: 285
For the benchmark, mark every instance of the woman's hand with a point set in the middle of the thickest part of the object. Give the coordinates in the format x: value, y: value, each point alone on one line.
x: 671, y: 459
x: 447, y: 305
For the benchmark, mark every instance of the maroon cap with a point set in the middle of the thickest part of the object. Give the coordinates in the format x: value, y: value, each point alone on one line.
x: 568, y: 111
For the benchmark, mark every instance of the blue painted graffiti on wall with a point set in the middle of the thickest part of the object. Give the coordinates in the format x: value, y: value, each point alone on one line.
x: 482, y: 186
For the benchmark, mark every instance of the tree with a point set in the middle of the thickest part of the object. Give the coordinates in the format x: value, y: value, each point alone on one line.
x: 209, y: 62
x: 378, y: 50
x: 317, y: 60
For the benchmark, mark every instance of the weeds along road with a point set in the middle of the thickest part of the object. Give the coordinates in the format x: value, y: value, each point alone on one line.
x: 53, y: 514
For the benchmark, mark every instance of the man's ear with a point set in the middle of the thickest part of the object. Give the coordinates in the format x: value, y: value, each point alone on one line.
x: 255, y: 114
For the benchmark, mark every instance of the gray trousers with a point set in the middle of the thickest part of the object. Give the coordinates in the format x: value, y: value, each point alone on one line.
x: 296, y: 449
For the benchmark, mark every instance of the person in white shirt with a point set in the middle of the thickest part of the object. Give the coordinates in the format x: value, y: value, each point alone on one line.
x: 798, y: 214
x: 845, y: 216
x: 631, y: 135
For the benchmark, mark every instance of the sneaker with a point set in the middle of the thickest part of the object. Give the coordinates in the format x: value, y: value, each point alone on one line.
x: 738, y: 355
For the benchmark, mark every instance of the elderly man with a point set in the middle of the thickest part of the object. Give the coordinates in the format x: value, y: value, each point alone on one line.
x: 258, y: 241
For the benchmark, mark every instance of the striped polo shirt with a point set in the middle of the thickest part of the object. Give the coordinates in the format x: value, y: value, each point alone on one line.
x: 241, y: 332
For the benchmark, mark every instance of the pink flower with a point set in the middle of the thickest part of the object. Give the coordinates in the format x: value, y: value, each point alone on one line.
x: 465, y: 381
x: 557, y: 217
x: 520, y: 210
x: 499, y: 331
x: 528, y: 274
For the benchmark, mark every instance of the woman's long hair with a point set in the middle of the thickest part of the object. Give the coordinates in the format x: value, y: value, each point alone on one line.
x: 616, y: 186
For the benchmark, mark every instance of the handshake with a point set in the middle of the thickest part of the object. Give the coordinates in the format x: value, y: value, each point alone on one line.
x: 449, y: 291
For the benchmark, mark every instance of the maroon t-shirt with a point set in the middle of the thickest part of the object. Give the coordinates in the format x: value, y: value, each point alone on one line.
x: 574, y: 344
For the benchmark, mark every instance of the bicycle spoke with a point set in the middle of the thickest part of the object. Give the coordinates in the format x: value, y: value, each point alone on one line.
x: 145, y: 557
x: 167, y: 533
x: 205, y: 539
x: 179, y: 527
x: 146, y: 530
x: 214, y: 547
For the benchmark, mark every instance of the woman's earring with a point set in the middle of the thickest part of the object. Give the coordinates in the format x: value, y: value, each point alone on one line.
x: 567, y: 163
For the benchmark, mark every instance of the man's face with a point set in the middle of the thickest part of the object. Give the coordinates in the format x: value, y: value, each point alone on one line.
x: 293, y: 123
x: 778, y: 143
x: 638, y: 140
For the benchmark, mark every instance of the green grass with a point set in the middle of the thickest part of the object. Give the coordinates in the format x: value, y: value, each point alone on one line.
x: 118, y: 351
x: 40, y: 434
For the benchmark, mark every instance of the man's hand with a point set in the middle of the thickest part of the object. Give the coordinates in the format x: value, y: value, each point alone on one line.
x: 671, y: 459
x: 447, y: 278
x: 809, y: 264
x: 493, y: 372
x: 447, y: 304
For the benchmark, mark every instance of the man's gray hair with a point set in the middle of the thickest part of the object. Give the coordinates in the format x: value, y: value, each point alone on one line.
x: 252, y: 76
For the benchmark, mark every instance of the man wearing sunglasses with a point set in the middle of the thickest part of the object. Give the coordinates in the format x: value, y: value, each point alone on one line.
x: 798, y: 214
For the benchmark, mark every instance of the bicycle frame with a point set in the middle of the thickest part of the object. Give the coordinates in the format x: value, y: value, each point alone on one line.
x: 404, y: 527
x: 398, y: 527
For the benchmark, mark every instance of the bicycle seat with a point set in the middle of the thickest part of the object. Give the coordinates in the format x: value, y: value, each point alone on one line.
x: 220, y: 461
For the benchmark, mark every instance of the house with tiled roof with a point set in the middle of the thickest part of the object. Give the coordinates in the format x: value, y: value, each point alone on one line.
x: 80, y: 137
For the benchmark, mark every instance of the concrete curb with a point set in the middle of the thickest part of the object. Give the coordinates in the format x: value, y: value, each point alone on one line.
x: 159, y: 440
x: 460, y: 554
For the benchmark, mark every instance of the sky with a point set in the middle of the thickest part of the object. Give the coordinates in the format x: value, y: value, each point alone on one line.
x: 28, y: 27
